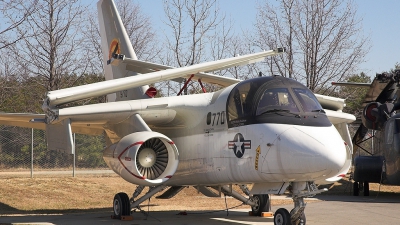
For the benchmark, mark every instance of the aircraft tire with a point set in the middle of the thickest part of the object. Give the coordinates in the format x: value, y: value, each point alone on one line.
x: 121, y: 205
x: 261, y: 201
x: 282, y: 217
x: 267, y: 205
x: 366, y: 188
x: 356, y: 188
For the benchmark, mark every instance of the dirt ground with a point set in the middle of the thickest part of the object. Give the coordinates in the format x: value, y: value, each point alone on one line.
x: 96, y: 193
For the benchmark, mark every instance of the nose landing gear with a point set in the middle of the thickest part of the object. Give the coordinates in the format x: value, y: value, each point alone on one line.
x: 297, y: 215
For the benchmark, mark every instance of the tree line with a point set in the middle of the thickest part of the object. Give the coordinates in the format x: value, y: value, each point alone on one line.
x: 53, y: 44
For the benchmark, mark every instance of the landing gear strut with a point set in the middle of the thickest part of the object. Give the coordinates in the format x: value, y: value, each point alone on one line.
x: 296, y: 215
x: 357, y: 186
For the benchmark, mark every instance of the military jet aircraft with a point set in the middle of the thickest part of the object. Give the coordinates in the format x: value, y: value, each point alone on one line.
x: 268, y: 132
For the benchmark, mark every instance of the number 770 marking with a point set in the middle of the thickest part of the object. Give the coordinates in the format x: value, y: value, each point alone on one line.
x: 215, y: 119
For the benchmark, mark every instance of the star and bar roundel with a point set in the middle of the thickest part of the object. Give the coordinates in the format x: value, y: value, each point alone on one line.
x: 239, y: 145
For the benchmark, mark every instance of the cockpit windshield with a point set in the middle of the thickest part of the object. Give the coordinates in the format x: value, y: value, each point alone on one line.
x: 308, y: 100
x: 276, y: 99
x: 273, y: 100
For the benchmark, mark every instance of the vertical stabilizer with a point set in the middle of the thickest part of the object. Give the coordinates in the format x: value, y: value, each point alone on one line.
x: 115, y: 40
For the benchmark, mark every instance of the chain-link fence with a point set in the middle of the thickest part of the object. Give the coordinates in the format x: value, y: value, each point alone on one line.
x: 24, y: 151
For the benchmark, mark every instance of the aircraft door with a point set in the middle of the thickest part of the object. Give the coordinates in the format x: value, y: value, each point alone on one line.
x: 265, y: 164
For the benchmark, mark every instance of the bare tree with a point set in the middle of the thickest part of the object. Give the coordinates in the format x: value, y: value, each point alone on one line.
x: 193, y: 23
x: 13, y: 14
x: 323, y: 39
x: 53, y: 50
x: 138, y: 27
x: 200, y: 33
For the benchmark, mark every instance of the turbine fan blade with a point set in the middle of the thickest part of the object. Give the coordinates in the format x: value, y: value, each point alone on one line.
x: 161, y: 160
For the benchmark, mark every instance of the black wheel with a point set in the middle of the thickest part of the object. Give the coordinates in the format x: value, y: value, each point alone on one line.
x: 282, y: 217
x: 356, y: 188
x: 267, y: 205
x: 366, y: 189
x: 261, y: 202
x: 121, y: 205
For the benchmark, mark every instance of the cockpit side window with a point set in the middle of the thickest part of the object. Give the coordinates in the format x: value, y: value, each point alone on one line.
x: 241, y: 101
x: 307, y: 100
x: 276, y: 99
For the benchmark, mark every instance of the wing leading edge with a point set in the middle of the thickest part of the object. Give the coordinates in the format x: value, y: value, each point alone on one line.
x: 67, y: 95
x: 148, y: 67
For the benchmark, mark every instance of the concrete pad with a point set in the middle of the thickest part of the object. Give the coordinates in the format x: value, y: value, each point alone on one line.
x: 167, y: 217
x: 329, y: 210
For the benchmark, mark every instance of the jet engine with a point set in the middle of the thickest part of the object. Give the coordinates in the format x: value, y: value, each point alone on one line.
x: 143, y: 158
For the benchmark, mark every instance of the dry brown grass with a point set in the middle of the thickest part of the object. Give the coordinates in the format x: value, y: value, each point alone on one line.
x: 95, y: 193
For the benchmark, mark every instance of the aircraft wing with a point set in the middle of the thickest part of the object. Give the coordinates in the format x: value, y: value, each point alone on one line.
x: 351, y: 84
x: 67, y: 95
x: 337, y: 117
x: 36, y: 121
x: 148, y: 67
x: 23, y: 120
x: 333, y: 107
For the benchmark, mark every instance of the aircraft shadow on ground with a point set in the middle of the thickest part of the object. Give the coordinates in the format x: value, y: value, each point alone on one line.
x: 7, y: 209
x: 206, y: 215
x: 343, y: 191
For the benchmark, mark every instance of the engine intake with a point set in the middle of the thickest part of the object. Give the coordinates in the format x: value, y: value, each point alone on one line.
x: 143, y: 158
x: 376, y: 114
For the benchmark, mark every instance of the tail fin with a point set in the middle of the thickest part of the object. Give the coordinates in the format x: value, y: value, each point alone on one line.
x: 115, y: 40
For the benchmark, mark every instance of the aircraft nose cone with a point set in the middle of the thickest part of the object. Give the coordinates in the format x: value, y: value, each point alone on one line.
x: 319, y: 151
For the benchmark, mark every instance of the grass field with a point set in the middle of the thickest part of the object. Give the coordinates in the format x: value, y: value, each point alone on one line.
x: 96, y: 193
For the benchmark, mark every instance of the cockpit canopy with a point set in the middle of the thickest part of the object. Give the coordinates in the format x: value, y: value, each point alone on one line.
x: 273, y: 100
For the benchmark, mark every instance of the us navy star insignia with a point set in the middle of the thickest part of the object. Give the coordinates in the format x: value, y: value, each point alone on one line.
x: 239, y: 145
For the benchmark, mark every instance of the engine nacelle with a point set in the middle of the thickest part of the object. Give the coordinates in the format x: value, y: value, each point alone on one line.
x: 376, y: 114
x: 143, y: 158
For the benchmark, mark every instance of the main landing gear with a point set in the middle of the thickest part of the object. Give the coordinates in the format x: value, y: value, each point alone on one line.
x: 357, y: 186
x: 296, y: 215
x: 262, y: 203
x: 122, y: 205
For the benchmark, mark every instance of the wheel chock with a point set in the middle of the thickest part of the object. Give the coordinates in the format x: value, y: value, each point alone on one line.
x: 126, y: 218
x: 267, y: 214
x: 263, y: 214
